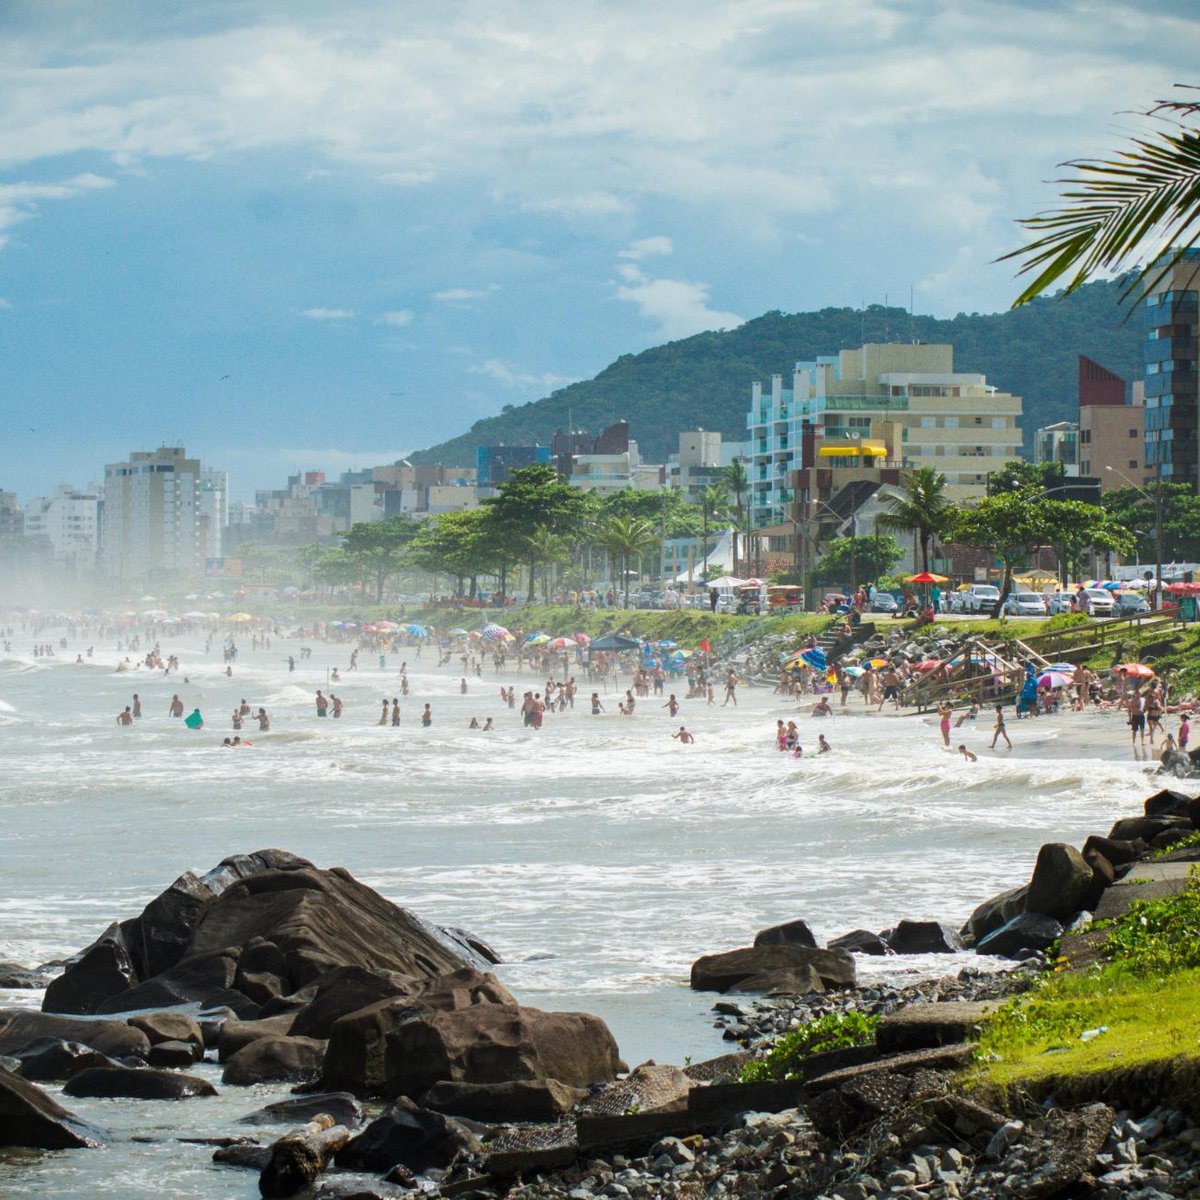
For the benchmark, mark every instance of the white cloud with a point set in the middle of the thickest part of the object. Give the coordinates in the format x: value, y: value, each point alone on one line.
x: 398, y: 318
x: 328, y: 314
x: 513, y: 376
x: 460, y: 295
x: 678, y: 308
x: 646, y: 247
x: 20, y: 201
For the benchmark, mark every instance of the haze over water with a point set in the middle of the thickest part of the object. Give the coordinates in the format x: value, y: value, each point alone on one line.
x: 599, y: 856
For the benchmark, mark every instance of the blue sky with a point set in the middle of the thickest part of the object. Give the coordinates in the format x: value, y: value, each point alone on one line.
x: 290, y: 234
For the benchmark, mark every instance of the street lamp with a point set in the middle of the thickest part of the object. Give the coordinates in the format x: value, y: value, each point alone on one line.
x: 1157, y: 501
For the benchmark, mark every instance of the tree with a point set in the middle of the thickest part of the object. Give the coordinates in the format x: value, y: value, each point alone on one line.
x: 738, y: 482
x: 923, y: 509
x: 1076, y: 527
x: 456, y: 543
x: 713, y: 503
x: 862, y: 557
x: 533, y: 500
x: 1119, y: 209
x: 1015, y: 475
x: 1135, y: 510
x: 377, y: 549
x: 625, y: 538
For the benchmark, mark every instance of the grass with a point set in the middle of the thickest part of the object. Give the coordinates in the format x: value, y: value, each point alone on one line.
x: 836, y: 1031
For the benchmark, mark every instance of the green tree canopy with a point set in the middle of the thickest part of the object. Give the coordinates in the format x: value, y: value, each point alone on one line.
x: 1015, y: 475
x: 861, y: 559
x: 923, y: 509
x: 625, y: 538
x: 458, y: 543
x: 377, y: 549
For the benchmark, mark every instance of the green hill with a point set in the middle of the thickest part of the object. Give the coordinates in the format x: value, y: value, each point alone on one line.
x: 704, y: 381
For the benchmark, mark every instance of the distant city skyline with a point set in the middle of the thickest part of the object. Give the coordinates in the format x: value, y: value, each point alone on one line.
x: 290, y: 237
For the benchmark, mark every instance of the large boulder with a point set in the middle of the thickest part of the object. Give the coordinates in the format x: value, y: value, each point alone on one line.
x: 341, y: 1106
x: 726, y: 971
x: 28, y: 1117
x: 50, y: 1059
x: 1025, y: 932
x: 203, y: 979
x: 993, y: 913
x: 141, y: 1084
x: 1062, y: 883
x: 165, y: 927
x: 483, y: 1043
x: 174, y: 1054
x: 346, y: 990
x: 923, y: 937
x: 540, y: 1101
x: 14, y: 976
x: 98, y: 972
x: 235, y: 1035
x: 275, y: 1060
x: 1168, y: 803
x: 19, y: 1027
x: 1119, y: 853
x: 169, y: 1027
x: 861, y: 941
x: 790, y: 933
x: 410, y: 1135
x: 1131, y: 829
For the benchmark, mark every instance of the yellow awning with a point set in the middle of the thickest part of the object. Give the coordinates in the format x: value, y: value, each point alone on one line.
x: 866, y: 449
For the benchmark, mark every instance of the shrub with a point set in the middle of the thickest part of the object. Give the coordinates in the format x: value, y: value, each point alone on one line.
x: 1159, y: 936
x: 837, y: 1031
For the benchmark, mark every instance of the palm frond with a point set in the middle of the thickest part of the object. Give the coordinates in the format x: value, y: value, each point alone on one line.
x: 1115, y: 209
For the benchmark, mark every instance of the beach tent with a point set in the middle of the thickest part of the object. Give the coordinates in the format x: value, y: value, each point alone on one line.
x: 615, y: 641
x: 725, y: 583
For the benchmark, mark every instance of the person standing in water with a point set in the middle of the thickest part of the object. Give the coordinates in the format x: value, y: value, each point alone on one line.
x: 383, y: 716
x: 1000, y: 731
x: 264, y: 722
x: 427, y: 717
x: 176, y: 707
x: 322, y: 703
x: 395, y: 712
x: 683, y: 737
x: 126, y: 717
x: 944, y: 711
x: 137, y: 706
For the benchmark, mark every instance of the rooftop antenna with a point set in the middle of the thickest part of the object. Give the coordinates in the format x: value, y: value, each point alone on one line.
x: 912, y: 320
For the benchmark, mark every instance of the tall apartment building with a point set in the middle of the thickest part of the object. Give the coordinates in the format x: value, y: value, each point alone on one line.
x: 1058, y: 443
x: 214, y: 512
x: 151, y: 524
x: 1111, y: 427
x: 880, y: 406
x: 1171, y: 313
x: 69, y: 520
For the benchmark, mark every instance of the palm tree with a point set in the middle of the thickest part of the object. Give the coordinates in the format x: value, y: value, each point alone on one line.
x: 1143, y: 198
x: 923, y: 509
x: 714, y: 503
x: 627, y: 537
x: 738, y: 481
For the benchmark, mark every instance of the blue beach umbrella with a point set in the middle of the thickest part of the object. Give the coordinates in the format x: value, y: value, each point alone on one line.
x: 416, y: 630
x: 816, y: 658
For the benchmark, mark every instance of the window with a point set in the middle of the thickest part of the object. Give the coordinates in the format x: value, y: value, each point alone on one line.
x: 1133, y: 463
x: 978, y: 420
x: 951, y: 422
x: 1134, y: 433
x: 998, y: 422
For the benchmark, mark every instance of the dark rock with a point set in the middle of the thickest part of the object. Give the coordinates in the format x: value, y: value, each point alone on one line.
x: 1029, y: 931
x: 235, y: 1035
x: 1103, y: 877
x: 29, y: 1118
x: 374, y: 1052
x: 535, y: 1100
x: 1117, y: 852
x: 407, y: 1134
x: 861, y: 941
x: 797, y: 981
x: 1062, y: 882
x: 993, y: 913
x: 472, y: 948
x: 200, y: 978
x: 12, y: 1065
x: 346, y: 990
x: 1130, y: 829
x: 260, y: 986
x: 721, y: 972
x: 14, y: 976
x: 22, y: 1026
x: 253, y: 1158
x: 98, y: 972
x: 921, y: 1026
x: 924, y: 937
x: 390, y: 1187
x: 169, y: 1027
x: 275, y: 1060
x: 48, y: 1059
x: 341, y: 1106
x: 1167, y: 804
x: 167, y: 923
x: 145, y: 1084
x: 1071, y: 1142
x: 174, y: 1054
x: 791, y: 933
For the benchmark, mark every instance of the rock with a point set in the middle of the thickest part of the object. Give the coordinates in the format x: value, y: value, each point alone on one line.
x: 1103, y: 875
x: 721, y: 972
x: 924, y: 937
x: 1130, y: 829
x: 169, y: 1027
x: 253, y: 1158
x: 275, y: 1060
x: 861, y: 941
x: 993, y: 913
x: 799, y: 981
x: 346, y: 990
x: 407, y: 1134
x: 48, y: 1059
x: 1071, y: 1142
x: 341, y: 1106
x: 1117, y: 852
x: 1029, y: 931
x: 535, y: 1100
x: 919, y: 1026
x: 649, y: 1087
x: 14, y: 976
x: 473, y: 948
x: 198, y: 979
x: 29, y: 1118
x: 792, y: 933
x: 98, y: 972
x: 374, y: 1052
x: 167, y: 923
x: 174, y: 1054
x: 235, y: 1035
x: 141, y: 1084
x: 22, y: 1026
x: 1167, y: 804
x: 1062, y: 882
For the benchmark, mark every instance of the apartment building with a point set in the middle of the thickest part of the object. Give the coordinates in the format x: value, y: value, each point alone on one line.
x: 69, y: 521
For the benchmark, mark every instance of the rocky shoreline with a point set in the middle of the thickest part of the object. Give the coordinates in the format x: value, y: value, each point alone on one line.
x: 287, y: 974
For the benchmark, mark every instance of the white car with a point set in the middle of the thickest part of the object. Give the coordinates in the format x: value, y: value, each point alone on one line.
x: 1024, y: 604
x: 981, y: 597
x: 1097, y: 602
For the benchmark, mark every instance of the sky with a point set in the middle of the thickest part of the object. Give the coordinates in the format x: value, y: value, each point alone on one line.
x: 289, y: 234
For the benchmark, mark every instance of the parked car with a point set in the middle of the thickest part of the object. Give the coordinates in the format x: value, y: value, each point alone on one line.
x: 884, y: 602
x: 1059, y: 602
x: 1098, y: 602
x: 980, y: 597
x: 956, y: 601
x: 1130, y: 604
x: 1024, y: 604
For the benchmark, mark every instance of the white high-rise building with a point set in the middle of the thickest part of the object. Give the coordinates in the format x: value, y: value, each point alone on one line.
x: 69, y: 520
x: 214, y: 512
x: 152, y: 516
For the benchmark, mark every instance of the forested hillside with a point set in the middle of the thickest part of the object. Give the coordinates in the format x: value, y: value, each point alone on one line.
x: 704, y: 381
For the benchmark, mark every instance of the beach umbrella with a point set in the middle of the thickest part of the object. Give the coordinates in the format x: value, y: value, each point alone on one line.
x: 1054, y: 679
x: 195, y: 615
x: 239, y: 618
x: 583, y: 639
x: 927, y: 664
x: 494, y: 632
x: 877, y: 662
x: 853, y: 672
x: 681, y: 655
x: 385, y: 625
x: 815, y: 658
x: 667, y: 644
x: 537, y: 639
x: 458, y: 633
x: 1136, y: 670
x: 615, y: 641
x: 418, y: 631
x: 1069, y: 668
x: 563, y: 643
x: 927, y: 577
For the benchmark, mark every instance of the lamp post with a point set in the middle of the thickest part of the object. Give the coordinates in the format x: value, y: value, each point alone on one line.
x: 1157, y: 501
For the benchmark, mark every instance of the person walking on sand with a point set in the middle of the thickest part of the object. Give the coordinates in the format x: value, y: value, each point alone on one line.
x: 1137, y: 719
x: 1000, y: 731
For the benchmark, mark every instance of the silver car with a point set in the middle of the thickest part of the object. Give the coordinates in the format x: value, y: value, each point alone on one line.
x: 1060, y: 602
x: 1024, y: 604
x: 1098, y: 602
